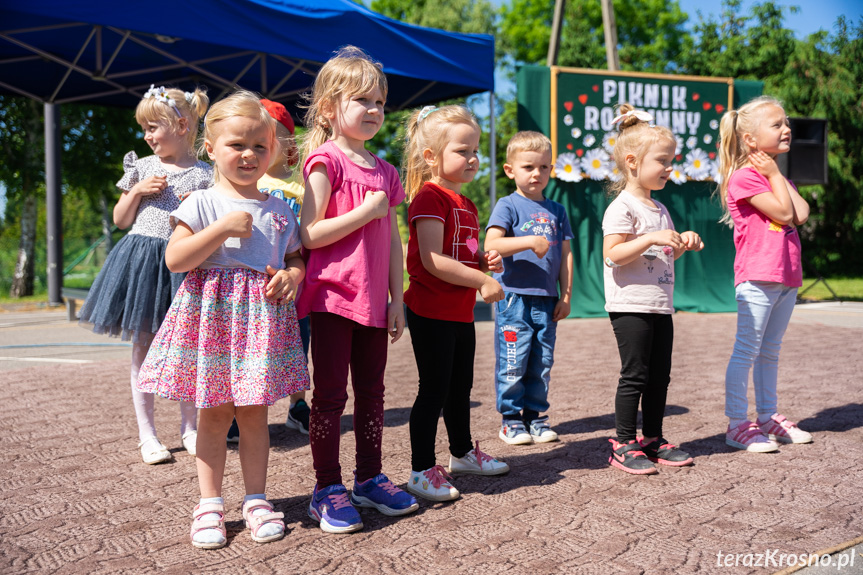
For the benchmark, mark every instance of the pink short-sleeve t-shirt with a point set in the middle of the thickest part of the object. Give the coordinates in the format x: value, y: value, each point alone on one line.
x: 350, y: 277
x: 646, y: 284
x: 766, y: 250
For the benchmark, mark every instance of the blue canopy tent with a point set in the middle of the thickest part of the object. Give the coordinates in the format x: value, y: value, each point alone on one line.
x: 108, y: 53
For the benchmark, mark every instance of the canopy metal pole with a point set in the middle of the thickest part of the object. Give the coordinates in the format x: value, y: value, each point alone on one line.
x: 53, y: 201
x: 492, y: 192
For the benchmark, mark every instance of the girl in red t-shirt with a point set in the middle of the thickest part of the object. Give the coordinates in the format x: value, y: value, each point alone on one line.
x: 765, y: 210
x: 446, y: 268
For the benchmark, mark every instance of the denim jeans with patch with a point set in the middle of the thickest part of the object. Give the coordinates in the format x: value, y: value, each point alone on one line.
x: 524, y: 353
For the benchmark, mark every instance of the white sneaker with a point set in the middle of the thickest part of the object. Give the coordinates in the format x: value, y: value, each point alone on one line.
x: 152, y: 451
x: 778, y: 428
x: 541, y: 432
x: 190, y: 441
x: 477, y: 463
x: 432, y: 484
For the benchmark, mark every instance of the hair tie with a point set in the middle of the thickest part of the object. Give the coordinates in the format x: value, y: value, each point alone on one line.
x: 161, y: 95
x: 640, y: 114
x: 189, y: 96
x: 425, y: 112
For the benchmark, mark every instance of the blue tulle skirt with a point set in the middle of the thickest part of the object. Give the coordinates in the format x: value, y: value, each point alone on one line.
x: 133, y: 291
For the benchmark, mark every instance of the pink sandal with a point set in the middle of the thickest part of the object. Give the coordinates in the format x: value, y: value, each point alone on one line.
x: 254, y: 522
x: 199, y: 524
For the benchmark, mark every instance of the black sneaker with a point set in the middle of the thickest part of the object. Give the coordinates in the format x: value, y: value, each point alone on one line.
x: 663, y: 452
x: 234, y: 433
x: 628, y: 457
x: 298, y: 417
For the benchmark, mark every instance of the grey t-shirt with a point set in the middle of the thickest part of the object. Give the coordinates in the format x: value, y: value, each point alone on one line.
x: 645, y: 285
x: 275, y: 232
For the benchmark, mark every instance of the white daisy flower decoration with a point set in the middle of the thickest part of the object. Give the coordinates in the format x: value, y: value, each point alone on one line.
x: 608, y: 141
x: 568, y: 120
x: 707, y: 138
x: 714, y: 172
x: 679, y: 144
x: 576, y: 133
x: 568, y: 168
x: 614, y: 174
x: 677, y: 176
x: 596, y: 164
x: 691, y: 142
x: 589, y: 140
x: 697, y: 164
x: 714, y: 124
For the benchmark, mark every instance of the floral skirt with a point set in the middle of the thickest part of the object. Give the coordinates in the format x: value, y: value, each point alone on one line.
x: 223, y: 341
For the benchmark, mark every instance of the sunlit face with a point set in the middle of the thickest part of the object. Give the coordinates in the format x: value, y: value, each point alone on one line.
x: 458, y: 162
x: 241, y: 150
x: 165, y: 141
x: 358, y: 117
x: 653, y: 170
x: 773, y: 134
x: 530, y: 170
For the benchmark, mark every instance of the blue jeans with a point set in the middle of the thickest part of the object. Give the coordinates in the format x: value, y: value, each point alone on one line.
x: 763, y: 312
x: 524, y: 353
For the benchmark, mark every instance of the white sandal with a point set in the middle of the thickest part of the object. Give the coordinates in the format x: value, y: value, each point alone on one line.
x: 254, y: 522
x: 152, y: 451
x: 190, y: 441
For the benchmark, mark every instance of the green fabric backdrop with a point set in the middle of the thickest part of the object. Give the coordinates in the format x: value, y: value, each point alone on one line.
x: 704, y: 281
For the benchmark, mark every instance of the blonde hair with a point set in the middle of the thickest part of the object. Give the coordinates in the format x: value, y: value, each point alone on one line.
x: 634, y: 137
x: 428, y: 128
x: 733, y: 151
x: 190, y: 105
x: 241, y: 103
x: 350, y: 72
x: 527, y: 141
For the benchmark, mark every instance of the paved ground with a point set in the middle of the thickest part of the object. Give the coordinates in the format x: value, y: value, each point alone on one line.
x: 75, y: 498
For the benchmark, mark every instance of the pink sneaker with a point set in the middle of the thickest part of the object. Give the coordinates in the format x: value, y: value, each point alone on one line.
x: 778, y: 428
x: 748, y: 436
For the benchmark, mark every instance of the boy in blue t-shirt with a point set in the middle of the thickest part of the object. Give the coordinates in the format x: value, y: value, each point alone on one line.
x: 532, y: 234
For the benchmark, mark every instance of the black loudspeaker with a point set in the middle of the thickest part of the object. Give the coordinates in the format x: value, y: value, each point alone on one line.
x: 806, y: 163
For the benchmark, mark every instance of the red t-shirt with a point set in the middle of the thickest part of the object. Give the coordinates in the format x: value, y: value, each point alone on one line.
x: 427, y: 295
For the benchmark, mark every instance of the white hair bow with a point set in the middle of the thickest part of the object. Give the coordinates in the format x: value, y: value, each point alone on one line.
x: 640, y: 114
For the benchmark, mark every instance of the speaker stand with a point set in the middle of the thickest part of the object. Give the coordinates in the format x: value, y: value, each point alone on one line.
x: 820, y: 279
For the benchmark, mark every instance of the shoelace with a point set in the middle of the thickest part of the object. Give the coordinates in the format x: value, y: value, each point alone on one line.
x: 389, y: 487
x: 339, y: 501
x: 437, y: 476
x: 480, y: 456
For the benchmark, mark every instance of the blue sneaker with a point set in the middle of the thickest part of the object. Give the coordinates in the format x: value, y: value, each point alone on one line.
x: 380, y: 493
x: 332, y: 509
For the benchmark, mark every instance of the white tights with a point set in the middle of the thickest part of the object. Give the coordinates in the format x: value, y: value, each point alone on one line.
x: 143, y: 402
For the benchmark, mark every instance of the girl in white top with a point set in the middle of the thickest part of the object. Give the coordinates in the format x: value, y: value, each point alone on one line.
x: 639, y: 249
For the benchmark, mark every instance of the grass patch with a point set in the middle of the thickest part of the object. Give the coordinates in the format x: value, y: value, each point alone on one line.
x: 848, y: 289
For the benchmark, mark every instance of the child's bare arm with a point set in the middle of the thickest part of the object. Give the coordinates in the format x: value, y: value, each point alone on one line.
x: 495, y: 239
x: 187, y: 250
x: 395, y: 311
x: 621, y: 249
x: 562, y: 308
x: 775, y: 204
x: 316, y: 230
x: 127, y: 206
x: 430, y: 241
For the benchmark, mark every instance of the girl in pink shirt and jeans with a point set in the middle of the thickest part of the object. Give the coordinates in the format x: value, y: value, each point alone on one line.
x: 765, y: 209
x: 353, y: 261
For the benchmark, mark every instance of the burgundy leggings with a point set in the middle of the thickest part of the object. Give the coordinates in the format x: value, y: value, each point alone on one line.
x: 339, y: 344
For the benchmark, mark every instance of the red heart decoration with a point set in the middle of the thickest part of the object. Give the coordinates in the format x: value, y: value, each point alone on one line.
x: 569, y: 146
x: 583, y: 99
x: 719, y: 108
x: 712, y: 155
x: 568, y: 106
x: 706, y: 105
x: 579, y: 152
x: 695, y: 97
x: 595, y: 88
x: 678, y: 157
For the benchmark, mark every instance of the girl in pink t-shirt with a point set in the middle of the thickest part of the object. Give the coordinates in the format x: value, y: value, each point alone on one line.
x: 639, y: 248
x: 353, y: 262
x: 765, y: 209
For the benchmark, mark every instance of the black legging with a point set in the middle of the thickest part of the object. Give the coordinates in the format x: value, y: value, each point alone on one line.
x: 444, y: 351
x: 644, y: 341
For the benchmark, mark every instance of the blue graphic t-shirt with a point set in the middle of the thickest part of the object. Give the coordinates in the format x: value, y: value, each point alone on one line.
x: 524, y: 273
